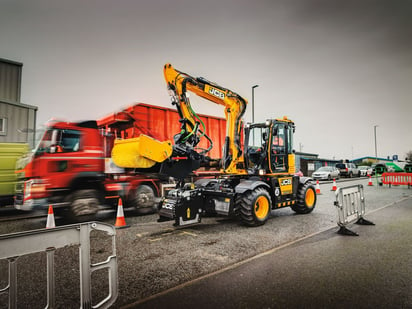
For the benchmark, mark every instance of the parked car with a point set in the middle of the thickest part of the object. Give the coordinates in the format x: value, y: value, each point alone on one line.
x: 365, y: 170
x: 326, y: 173
x: 348, y: 169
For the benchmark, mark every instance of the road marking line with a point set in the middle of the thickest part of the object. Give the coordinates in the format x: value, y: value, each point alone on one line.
x: 155, y: 239
x: 140, y: 235
x: 188, y: 233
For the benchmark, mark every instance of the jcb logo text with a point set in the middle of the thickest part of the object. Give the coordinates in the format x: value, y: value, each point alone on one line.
x: 285, y: 182
x: 217, y: 93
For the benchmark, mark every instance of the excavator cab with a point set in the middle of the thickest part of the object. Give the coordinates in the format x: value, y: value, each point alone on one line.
x: 269, y: 147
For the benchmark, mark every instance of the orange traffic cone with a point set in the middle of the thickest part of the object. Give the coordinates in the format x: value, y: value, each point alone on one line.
x: 50, y: 218
x: 120, y: 221
x: 334, y: 188
x: 370, y: 181
x: 317, y: 187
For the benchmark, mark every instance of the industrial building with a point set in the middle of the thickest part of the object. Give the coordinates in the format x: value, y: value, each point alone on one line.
x: 17, y: 120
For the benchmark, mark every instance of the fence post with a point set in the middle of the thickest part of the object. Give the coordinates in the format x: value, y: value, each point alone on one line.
x: 12, y: 286
x: 51, y: 283
x: 85, y: 284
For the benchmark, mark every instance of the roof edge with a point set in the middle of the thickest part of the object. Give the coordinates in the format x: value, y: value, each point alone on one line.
x: 19, y: 104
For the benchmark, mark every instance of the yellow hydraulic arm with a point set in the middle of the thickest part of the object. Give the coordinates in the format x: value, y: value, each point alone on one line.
x: 180, y: 83
x: 182, y: 158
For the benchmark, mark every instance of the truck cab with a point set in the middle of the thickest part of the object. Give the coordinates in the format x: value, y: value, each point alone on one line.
x: 65, y: 168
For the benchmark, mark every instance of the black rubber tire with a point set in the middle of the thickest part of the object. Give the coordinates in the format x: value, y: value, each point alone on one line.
x: 142, y: 200
x: 254, y: 207
x: 84, y: 205
x: 306, y: 199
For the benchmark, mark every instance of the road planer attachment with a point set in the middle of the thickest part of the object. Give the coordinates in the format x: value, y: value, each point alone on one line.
x: 143, y: 152
x: 140, y: 152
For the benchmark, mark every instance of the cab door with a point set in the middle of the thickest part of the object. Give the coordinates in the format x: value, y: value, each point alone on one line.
x: 60, y: 158
x: 278, y: 149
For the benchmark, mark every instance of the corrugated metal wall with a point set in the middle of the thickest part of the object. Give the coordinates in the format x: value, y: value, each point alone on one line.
x: 21, y: 121
x: 10, y: 80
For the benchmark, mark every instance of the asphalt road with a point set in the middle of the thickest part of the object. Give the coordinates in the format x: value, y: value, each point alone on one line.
x: 325, y: 270
x: 155, y: 257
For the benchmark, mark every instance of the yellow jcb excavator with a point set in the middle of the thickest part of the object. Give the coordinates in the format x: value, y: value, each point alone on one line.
x: 254, y: 179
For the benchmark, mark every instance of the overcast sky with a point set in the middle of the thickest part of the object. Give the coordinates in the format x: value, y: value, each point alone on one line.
x: 336, y: 68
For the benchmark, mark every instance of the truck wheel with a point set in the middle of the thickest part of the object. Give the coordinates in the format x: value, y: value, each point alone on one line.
x: 143, y: 200
x: 84, y: 205
x: 254, y: 207
x: 306, y: 199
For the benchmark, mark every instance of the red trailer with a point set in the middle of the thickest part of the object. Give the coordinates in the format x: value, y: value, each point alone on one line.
x: 161, y: 123
x: 71, y: 166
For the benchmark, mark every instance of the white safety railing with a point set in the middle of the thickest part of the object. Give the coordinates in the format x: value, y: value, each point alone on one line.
x: 350, y: 202
x: 12, y: 246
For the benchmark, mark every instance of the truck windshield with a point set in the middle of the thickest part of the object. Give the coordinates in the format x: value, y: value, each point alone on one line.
x: 43, y: 140
x: 54, y: 140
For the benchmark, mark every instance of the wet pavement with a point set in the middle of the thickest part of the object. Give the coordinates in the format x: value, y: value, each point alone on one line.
x: 325, y: 270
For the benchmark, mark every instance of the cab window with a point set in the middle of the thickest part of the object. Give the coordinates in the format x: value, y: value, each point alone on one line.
x: 257, y: 147
x: 278, y: 151
x: 56, y: 141
x: 69, y: 141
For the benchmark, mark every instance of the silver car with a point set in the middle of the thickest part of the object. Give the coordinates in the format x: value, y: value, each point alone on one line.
x: 326, y: 173
x: 365, y: 170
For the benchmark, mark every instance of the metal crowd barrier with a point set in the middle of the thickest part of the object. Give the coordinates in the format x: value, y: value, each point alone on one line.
x: 12, y: 246
x: 350, y: 202
x: 397, y: 179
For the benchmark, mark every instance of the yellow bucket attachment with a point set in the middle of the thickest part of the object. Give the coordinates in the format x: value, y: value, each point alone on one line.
x: 140, y: 152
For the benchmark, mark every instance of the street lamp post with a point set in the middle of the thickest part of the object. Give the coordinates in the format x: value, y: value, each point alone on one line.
x: 376, y: 147
x: 376, y: 153
x: 253, y: 102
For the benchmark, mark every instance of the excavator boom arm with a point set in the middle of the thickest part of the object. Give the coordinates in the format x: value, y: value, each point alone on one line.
x: 180, y: 83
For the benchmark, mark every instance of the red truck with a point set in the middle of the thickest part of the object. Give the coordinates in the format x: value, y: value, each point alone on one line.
x: 71, y: 167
